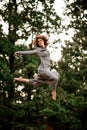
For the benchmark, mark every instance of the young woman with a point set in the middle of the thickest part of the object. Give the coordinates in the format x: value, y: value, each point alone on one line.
x: 45, y: 74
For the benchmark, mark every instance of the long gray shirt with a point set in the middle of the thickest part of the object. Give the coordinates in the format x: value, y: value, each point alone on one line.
x: 44, y: 55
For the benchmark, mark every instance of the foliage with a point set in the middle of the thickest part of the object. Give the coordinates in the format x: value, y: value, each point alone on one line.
x: 73, y: 65
x: 32, y: 108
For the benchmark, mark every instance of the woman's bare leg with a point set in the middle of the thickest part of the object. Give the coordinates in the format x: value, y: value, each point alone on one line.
x: 21, y: 79
x: 54, y: 94
x: 24, y: 80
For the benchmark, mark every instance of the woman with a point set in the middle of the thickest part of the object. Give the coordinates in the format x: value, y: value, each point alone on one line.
x: 45, y: 74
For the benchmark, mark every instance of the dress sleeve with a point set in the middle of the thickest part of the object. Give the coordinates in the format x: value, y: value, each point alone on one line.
x: 30, y: 52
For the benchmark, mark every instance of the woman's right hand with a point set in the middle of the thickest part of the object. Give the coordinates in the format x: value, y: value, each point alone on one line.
x: 16, y: 53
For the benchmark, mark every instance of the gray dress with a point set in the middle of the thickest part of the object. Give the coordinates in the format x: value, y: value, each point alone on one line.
x: 45, y: 74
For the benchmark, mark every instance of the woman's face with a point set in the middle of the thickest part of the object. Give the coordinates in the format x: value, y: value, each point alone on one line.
x: 41, y: 43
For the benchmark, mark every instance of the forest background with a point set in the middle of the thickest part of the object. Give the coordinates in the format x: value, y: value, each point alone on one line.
x: 30, y: 108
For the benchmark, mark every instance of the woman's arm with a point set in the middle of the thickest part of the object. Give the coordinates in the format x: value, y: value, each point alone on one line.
x: 35, y: 51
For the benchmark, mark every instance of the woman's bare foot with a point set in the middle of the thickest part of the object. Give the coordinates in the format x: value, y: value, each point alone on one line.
x: 54, y: 94
x: 21, y: 79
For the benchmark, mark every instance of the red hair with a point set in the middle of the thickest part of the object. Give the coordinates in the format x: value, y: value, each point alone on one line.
x: 44, y: 38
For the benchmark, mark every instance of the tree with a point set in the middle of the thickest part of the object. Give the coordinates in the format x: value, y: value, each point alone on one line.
x: 77, y: 49
x: 73, y: 64
x: 23, y: 19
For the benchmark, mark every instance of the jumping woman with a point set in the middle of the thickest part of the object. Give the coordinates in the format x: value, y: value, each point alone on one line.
x: 45, y: 74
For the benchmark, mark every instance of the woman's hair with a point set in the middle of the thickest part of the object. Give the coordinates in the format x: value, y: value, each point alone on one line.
x: 44, y: 38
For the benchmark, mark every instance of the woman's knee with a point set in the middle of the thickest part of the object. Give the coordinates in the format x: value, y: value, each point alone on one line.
x: 55, y: 79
